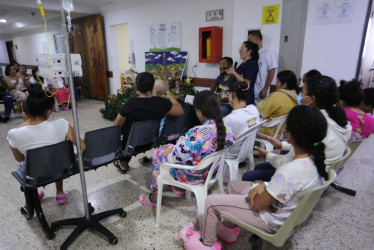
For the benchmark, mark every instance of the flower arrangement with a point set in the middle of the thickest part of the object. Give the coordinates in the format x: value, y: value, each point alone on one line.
x: 181, y: 87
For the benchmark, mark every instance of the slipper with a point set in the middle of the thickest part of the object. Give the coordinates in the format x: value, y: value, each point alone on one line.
x: 61, y: 198
x: 144, y: 199
x: 117, y: 165
x: 40, y: 194
x: 176, y: 191
x: 227, y: 234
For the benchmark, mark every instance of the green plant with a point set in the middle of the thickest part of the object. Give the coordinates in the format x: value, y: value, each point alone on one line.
x: 114, y: 103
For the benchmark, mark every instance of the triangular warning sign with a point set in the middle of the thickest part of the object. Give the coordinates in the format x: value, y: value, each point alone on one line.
x: 270, y: 18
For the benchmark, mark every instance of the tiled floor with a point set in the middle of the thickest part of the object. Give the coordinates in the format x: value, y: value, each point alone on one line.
x: 338, y: 222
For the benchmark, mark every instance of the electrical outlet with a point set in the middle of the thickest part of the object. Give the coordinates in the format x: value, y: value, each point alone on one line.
x: 195, y: 66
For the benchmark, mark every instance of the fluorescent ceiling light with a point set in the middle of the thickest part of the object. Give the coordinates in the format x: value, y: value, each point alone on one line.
x: 2, y: 20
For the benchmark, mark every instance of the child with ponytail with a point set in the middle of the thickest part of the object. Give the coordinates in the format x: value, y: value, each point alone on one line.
x: 267, y: 205
x: 200, y: 141
x: 38, y: 131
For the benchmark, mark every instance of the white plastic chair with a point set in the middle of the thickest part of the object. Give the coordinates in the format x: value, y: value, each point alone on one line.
x: 278, y: 121
x: 201, y: 190
x: 246, y: 141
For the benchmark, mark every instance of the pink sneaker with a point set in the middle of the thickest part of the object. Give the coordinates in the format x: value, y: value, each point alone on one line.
x: 175, y: 191
x: 191, y: 239
x: 61, y: 198
x: 226, y: 234
x: 144, y: 199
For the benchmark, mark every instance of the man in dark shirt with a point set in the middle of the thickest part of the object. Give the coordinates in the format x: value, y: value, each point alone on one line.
x: 222, y: 84
x: 144, y: 108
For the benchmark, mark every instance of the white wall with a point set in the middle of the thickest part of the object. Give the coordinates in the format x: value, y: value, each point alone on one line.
x: 3, y: 57
x: 190, y: 14
x: 334, y: 49
x: 248, y: 16
x: 123, y: 46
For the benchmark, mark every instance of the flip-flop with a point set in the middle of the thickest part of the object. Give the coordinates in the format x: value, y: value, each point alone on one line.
x: 144, y: 199
x: 116, y: 164
x: 61, y: 198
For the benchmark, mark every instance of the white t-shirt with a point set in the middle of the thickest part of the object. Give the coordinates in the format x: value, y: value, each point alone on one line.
x: 35, y: 136
x: 238, y: 121
x: 289, y: 184
x: 266, y: 62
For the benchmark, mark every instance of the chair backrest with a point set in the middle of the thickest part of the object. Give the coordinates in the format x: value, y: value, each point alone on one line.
x: 102, y: 146
x: 278, y: 121
x: 339, y: 163
x: 215, y: 162
x: 174, y: 127
x: 303, y: 210
x: 143, y: 136
x: 49, y: 163
x: 247, y: 140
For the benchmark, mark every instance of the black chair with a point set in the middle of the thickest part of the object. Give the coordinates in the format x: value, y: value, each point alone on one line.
x: 143, y: 136
x: 78, y: 86
x: 174, y: 127
x: 42, y: 167
x: 102, y: 147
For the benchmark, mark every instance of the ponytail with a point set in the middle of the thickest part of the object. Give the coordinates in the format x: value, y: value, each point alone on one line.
x: 318, y: 155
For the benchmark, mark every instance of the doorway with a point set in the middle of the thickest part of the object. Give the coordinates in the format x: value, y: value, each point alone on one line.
x: 366, y: 66
x: 11, y: 52
x: 294, y: 15
x: 123, y: 42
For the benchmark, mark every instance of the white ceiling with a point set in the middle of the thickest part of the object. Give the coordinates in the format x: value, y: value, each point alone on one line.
x: 24, y: 16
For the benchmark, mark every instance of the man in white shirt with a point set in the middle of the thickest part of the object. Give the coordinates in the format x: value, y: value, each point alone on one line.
x: 267, y: 65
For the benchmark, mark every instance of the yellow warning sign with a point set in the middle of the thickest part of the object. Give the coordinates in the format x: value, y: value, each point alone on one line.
x: 270, y: 14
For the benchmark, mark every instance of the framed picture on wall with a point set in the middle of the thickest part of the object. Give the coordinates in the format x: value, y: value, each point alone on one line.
x: 213, y: 15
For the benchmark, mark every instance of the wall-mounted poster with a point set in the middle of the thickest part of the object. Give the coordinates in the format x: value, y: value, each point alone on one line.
x: 270, y: 14
x: 164, y: 37
x: 344, y: 11
x: 324, y: 13
x: 165, y: 64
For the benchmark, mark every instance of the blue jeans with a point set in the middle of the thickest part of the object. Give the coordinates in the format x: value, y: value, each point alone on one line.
x: 8, y: 103
x: 262, y: 172
x: 225, y: 108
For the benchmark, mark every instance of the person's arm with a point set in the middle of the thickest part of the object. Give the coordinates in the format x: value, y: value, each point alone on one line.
x: 269, y: 79
x: 259, y: 198
x: 17, y: 154
x: 213, y: 88
x: 71, y: 137
x: 10, y: 86
x: 231, y: 71
x: 176, y: 109
x: 120, y: 120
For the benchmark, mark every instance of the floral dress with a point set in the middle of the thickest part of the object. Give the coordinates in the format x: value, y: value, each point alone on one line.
x: 190, y: 149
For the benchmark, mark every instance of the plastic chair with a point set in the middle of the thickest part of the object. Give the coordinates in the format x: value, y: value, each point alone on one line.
x: 338, y: 166
x: 246, y: 141
x: 278, y: 121
x: 43, y: 166
x: 201, y: 190
x: 103, y: 146
x: 143, y: 136
x: 297, y: 217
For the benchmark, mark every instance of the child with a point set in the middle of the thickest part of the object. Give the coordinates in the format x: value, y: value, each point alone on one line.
x: 268, y: 205
x: 351, y: 94
x: 38, y: 131
x: 367, y: 104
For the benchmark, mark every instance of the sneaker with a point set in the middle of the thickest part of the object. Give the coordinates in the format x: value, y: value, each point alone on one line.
x: 227, y: 234
x: 62, y: 198
x: 145, y: 200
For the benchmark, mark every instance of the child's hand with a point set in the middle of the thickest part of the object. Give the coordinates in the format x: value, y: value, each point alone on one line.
x: 260, y: 152
x: 256, y: 191
x: 274, y: 141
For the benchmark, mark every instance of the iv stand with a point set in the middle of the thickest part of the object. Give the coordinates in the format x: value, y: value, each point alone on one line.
x: 89, y: 220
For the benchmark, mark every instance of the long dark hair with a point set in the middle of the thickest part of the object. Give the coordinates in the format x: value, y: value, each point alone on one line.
x: 254, y: 49
x: 37, y: 102
x: 308, y: 127
x: 206, y: 102
x: 288, y: 77
x: 325, y: 91
x: 240, y: 89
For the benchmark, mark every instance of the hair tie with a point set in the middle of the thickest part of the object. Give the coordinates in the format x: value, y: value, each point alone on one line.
x: 334, y: 105
x: 246, y: 88
x: 316, y: 144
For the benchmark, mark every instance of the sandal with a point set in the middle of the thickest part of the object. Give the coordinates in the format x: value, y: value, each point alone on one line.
x: 118, y: 166
x: 145, y: 200
x: 61, y: 198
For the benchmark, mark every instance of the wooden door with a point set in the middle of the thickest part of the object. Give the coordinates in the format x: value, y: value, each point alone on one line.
x: 88, y: 40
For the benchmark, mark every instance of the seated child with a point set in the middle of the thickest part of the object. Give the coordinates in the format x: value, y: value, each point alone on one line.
x: 268, y: 205
x: 351, y: 94
x: 200, y: 141
x: 367, y: 104
x: 38, y: 131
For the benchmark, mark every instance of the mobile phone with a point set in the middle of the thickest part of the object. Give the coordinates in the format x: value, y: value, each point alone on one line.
x: 224, y: 68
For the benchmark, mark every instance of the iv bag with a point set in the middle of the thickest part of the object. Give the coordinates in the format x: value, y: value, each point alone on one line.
x: 67, y: 5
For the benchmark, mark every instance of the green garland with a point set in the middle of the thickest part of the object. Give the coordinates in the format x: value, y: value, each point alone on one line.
x: 114, y: 103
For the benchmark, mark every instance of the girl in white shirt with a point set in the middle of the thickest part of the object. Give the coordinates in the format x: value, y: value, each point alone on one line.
x: 38, y: 131
x: 268, y: 205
